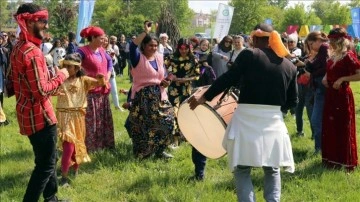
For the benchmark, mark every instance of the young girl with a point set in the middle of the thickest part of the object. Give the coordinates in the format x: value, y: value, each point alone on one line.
x: 185, y: 70
x: 207, y: 74
x: 71, y: 108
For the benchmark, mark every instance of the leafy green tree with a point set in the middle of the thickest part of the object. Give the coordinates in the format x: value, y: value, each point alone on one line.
x: 150, y: 9
x: 62, y: 16
x: 294, y: 16
x: 331, y: 12
x: 182, y: 13
x: 128, y: 26
x: 279, y: 3
x: 4, y: 13
x: 354, y: 3
x: 313, y: 19
x: 246, y: 15
x: 275, y: 13
x: 107, y: 13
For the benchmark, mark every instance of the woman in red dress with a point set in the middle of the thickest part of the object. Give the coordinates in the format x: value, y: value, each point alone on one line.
x: 339, y: 133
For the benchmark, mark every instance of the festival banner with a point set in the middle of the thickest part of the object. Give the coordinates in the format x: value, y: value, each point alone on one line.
x: 86, y: 9
x: 353, y: 30
x: 268, y: 21
x: 315, y: 28
x: 291, y: 29
x: 355, y: 15
x: 223, y: 21
x: 304, y: 31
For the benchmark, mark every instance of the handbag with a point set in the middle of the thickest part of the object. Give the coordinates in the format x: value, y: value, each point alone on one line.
x: 303, y: 79
x: 229, y: 63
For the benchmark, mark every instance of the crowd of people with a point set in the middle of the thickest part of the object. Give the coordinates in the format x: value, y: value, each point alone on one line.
x: 275, y: 73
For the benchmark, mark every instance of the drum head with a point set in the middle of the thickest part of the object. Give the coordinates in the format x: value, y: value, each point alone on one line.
x: 203, y: 128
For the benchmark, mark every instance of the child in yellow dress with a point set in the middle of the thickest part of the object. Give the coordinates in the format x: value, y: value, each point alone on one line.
x: 71, y: 109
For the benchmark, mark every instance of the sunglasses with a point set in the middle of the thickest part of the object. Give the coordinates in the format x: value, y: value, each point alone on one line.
x: 291, y: 42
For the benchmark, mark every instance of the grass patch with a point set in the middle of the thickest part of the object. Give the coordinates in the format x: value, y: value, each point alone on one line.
x: 116, y: 176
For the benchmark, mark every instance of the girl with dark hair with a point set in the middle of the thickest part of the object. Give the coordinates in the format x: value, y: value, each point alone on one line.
x: 151, y: 115
x: 221, y: 55
x: 71, y: 108
x: 185, y: 69
x: 207, y: 74
x: 339, y: 127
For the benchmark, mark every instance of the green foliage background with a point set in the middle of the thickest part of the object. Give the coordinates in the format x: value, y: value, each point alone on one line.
x: 126, y: 16
x: 116, y: 176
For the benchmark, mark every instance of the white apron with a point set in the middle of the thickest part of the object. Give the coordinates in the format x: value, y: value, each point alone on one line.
x: 257, y: 136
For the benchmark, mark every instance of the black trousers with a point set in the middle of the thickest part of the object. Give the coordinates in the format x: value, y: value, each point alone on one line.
x: 199, y: 161
x: 43, y: 179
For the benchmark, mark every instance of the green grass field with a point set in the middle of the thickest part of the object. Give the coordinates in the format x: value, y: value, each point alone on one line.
x: 118, y: 177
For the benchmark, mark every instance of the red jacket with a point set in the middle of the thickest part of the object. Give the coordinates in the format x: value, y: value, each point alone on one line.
x: 33, y: 86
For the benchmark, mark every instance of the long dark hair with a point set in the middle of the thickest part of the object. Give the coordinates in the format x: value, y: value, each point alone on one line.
x: 184, y: 42
x: 222, y: 44
x: 77, y: 58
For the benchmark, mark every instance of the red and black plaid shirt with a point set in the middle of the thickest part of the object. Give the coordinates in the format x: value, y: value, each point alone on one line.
x: 33, y: 86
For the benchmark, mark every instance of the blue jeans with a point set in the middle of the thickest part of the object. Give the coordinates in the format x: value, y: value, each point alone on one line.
x: 43, y: 179
x: 305, y: 100
x: 317, y: 114
x: 245, y: 189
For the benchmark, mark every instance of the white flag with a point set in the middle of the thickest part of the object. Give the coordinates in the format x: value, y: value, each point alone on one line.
x: 223, y: 21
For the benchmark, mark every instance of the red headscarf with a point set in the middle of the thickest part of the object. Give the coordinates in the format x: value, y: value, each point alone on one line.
x: 91, y: 31
x: 337, y: 36
x: 20, y: 19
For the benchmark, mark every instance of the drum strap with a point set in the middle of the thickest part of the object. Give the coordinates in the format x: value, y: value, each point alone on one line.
x: 223, y: 95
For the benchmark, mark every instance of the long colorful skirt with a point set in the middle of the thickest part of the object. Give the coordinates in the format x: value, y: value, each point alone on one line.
x: 99, y: 123
x: 152, y: 122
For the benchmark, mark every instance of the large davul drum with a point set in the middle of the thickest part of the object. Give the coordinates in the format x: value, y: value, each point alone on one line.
x: 204, y: 128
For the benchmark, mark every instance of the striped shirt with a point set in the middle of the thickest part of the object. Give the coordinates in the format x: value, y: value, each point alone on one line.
x: 33, y: 86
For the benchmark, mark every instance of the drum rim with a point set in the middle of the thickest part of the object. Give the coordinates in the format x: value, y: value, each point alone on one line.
x: 216, y: 114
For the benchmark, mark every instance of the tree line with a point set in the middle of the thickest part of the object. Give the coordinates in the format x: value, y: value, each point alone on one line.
x: 126, y: 16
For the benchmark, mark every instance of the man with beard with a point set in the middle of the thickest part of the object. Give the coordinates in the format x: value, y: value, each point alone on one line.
x: 257, y: 135
x: 33, y: 88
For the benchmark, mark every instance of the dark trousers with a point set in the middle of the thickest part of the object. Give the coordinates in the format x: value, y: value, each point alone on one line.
x: 43, y: 178
x: 2, y: 99
x: 199, y: 161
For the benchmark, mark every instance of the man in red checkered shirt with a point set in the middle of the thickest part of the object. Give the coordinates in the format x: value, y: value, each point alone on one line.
x: 33, y: 89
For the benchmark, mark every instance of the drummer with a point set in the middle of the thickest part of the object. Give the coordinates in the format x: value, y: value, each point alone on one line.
x: 257, y: 135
